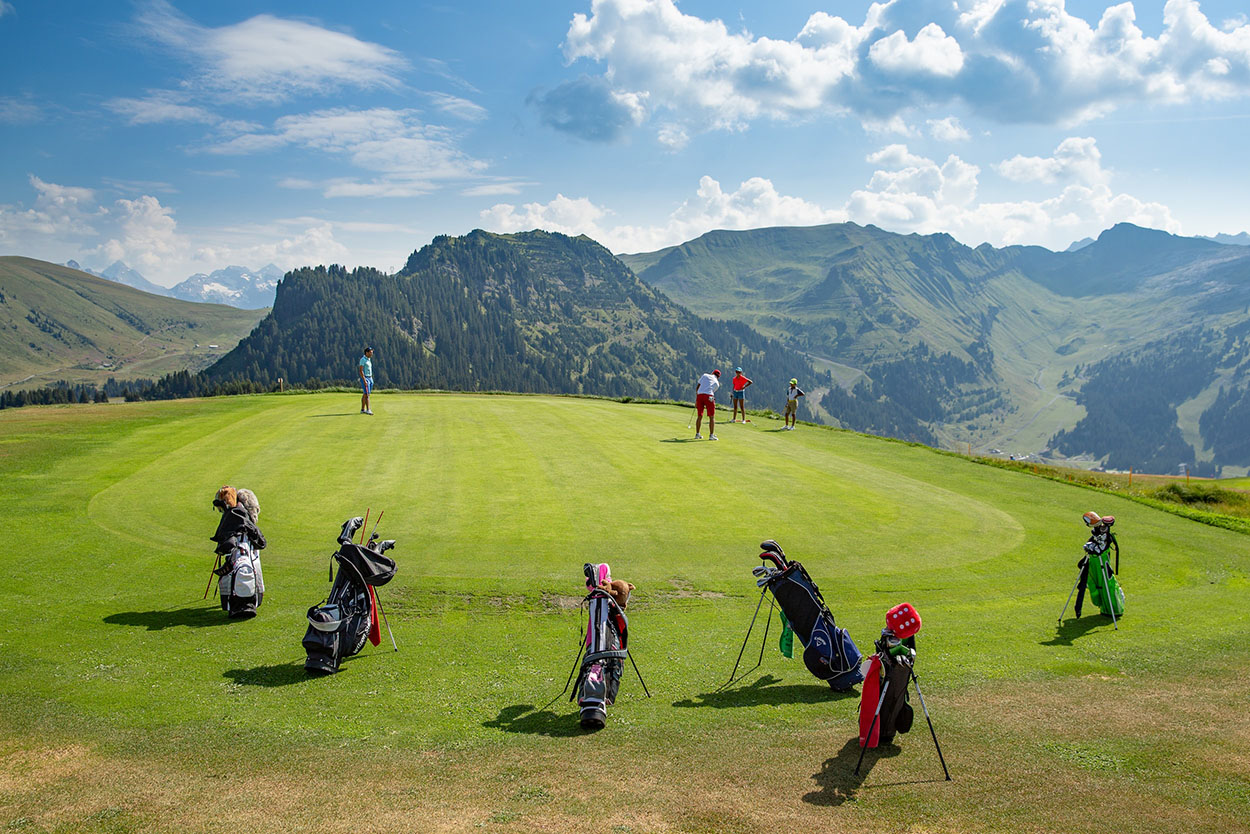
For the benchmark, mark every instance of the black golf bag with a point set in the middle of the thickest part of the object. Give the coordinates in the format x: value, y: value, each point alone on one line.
x: 339, y: 627
x: 885, y: 691
x: 241, y: 583
x: 830, y: 654
x: 606, y: 646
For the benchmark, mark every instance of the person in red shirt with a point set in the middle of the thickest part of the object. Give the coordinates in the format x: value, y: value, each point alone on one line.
x: 738, y: 397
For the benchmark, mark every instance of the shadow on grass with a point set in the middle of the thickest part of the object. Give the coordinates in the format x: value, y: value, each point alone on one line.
x: 681, y: 440
x: 1075, y: 628
x: 197, y: 617
x: 526, y: 718
x: 281, y: 674
x: 765, y: 691
x: 837, y: 781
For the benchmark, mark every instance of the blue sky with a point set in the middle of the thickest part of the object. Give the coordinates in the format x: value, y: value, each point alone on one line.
x: 184, y: 136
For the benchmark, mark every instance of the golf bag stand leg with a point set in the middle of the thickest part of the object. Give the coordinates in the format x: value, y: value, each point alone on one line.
x: 639, y: 674
x: 1111, y: 598
x: 1070, y: 593
x: 577, y: 660
x: 876, y: 714
x: 744, y: 642
x: 932, y: 732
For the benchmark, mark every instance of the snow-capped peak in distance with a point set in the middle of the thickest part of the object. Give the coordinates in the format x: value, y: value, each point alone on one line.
x: 237, y: 286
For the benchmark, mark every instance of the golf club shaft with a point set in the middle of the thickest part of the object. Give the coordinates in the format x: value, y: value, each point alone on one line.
x: 376, y: 522
x: 216, y: 565
x: 876, y: 714
x: 941, y: 758
x: 363, y: 526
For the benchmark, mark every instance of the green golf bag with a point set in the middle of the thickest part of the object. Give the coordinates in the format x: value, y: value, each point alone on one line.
x: 1104, y: 589
x: 1096, y: 569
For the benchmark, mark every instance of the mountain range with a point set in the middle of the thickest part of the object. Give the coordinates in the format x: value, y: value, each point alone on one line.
x: 531, y: 312
x: 1033, y: 329
x: 237, y: 286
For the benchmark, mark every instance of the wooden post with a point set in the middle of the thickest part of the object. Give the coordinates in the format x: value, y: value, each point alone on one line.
x: 1130, y: 477
x: 280, y: 388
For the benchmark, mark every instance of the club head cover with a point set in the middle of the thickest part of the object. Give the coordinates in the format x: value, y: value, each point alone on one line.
x: 349, y: 529
x: 389, y: 544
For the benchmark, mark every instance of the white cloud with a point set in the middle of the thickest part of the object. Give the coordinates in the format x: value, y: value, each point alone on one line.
x: 160, y: 106
x: 59, y: 211
x: 6, y: 8
x: 756, y: 203
x: 14, y: 111
x: 408, y: 155
x: 1007, y: 60
x: 496, y: 189
x: 67, y: 222
x: 947, y: 130
x: 933, y: 52
x: 914, y: 194
x: 268, y: 58
x: 459, y: 107
x: 1075, y: 159
x: 907, y: 193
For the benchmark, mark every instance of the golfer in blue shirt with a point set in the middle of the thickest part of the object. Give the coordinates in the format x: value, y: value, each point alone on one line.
x: 365, y: 368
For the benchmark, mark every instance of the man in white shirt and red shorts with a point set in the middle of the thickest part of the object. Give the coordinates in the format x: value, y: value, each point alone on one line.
x: 705, y: 392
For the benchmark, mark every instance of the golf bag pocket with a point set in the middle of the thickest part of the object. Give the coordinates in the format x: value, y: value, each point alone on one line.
x: 323, y: 638
x: 832, y: 655
x: 241, y: 586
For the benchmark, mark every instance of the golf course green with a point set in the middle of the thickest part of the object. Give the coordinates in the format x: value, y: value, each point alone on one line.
x: 129, y: 703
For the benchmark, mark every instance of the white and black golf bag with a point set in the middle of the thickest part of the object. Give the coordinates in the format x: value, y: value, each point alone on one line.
x: 606, y: 646
x: 339, y: 627
x: 240, y: 583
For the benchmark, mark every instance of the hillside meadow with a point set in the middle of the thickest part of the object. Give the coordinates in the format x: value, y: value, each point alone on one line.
x: 131, y: 704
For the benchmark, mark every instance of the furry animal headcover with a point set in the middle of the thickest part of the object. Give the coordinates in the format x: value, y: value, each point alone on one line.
x: 227, y: 498
x: 619, y: 589
x: 248, y: 499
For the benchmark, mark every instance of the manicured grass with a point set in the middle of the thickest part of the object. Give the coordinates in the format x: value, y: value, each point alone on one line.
x: 130, y: 704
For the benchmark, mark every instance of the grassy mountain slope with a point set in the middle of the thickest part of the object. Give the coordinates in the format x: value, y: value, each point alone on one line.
x: 124, y: 689
x: 533, y: 312
x: 59, y: 323
x: 863, y: 297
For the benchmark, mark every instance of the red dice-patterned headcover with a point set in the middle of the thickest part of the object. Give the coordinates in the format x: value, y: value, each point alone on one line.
x: 903, y: 620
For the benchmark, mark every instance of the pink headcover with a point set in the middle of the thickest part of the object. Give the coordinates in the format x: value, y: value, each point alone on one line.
x: 602, y: 573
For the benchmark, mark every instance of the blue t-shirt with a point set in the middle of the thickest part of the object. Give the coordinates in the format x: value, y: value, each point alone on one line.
x: 367, y: 364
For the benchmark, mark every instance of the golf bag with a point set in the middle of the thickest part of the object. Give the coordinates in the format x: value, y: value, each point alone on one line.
x: 240, y: 583
x: 1097, y: 572
x: 606, y: 646
x: 886, y: 685
x: 884, y: 707
x: 830, y: 654
x: 339, y: 627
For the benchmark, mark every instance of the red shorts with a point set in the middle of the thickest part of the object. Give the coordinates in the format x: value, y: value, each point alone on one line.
x: 705, y: 401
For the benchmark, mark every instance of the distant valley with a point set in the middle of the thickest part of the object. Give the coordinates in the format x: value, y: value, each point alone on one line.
x: 57, y: 323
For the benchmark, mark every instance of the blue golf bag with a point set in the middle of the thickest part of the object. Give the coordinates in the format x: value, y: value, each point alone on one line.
x: 829, y: 652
